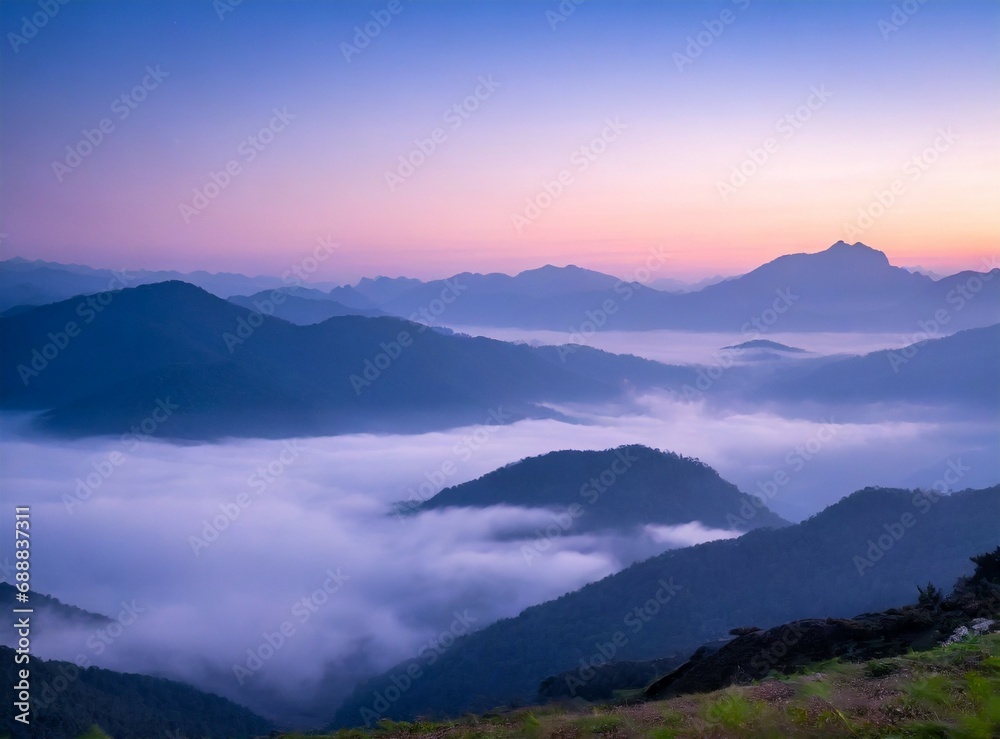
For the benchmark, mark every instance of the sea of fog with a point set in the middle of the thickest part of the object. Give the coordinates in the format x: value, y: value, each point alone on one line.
x: 689, y: 347
x: 219, y: 543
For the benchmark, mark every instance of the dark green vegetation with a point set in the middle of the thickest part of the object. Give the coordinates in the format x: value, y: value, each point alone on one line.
x: 47, y: 607
x: 864, y: 638
x: 931, y: 669
x: 614, y: 489
x: 949, y: 692
x: 857, y: 555
x: 67, y: 701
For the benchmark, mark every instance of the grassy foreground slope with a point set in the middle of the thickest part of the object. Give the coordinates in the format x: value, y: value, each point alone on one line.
x: 950, y: 687
x: 950, y: 691
x: 841, y: 562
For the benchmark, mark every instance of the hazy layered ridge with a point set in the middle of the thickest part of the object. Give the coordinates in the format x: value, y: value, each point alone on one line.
x: 273, y: 379
x: 368, y: 548
x: 846, y: 287
x: 204, y: 368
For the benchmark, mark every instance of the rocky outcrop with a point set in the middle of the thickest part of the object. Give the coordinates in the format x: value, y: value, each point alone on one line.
x: 755, y: 653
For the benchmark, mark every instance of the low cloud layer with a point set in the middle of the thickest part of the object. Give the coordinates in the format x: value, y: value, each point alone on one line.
x: 702, y: 347
x: 688, y: 534
x: 275, y: 572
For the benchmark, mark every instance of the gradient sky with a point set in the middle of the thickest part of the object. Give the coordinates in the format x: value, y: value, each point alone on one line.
x: 656, y: 185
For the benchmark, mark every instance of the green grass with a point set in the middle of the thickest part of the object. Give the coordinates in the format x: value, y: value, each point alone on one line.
x: 948, y: 692
x: 733, y: 711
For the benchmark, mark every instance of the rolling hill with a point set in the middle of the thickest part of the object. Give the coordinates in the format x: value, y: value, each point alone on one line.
x: 102, y: 364
x: 868, y: 552
x: 618, y: 489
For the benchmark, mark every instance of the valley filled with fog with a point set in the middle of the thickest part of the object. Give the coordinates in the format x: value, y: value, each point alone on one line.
x: 697, y: 347
x: 555, y: 369
x: 218, y: 543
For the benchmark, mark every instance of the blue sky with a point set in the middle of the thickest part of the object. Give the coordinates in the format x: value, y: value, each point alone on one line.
x: 557, y: 83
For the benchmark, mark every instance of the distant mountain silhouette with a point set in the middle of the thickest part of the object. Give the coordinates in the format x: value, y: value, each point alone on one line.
x: 959, y: 368
x: 294, y: 308
x: 675, y: 602
x: 615, y: 489
x: 230, y: 371
x: 383, y: 289
x: 768, y: 345
x: 671, y: 285
x: 847, y: 287
x: 501, y: 300
x: 24, y: 282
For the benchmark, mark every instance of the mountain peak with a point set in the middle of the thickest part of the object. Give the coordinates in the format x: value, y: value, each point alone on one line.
x: 617, y: 488
x: 856, y: 253
x: 551, y: 269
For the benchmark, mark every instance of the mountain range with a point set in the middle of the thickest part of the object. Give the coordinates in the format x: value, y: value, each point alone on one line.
x: 102, y: 367
x: 103, y: 364
x: 846, y: 287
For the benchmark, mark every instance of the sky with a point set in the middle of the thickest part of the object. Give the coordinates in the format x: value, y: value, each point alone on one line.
x: 429, y: 138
